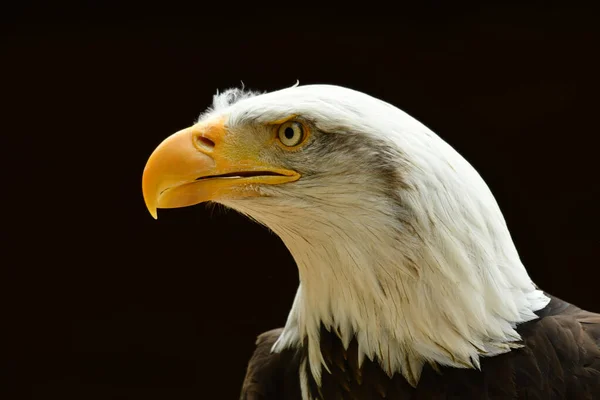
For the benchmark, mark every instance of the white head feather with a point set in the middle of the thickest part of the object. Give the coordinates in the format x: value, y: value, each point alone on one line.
x: 398, y: 240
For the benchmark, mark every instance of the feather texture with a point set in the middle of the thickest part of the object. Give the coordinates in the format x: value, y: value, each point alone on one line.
x: 560, y: 359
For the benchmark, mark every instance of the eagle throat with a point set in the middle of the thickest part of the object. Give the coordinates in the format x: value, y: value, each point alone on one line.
x: 409, y: 292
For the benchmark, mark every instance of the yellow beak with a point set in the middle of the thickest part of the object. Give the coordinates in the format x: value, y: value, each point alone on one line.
x: 200, y: 164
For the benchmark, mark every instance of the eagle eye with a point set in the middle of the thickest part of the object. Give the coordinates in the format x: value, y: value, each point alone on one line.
x: 290, y: 133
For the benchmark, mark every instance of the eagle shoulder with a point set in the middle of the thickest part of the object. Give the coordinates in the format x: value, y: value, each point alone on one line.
x: 560, y: 359
x: 271, y: 375
x: 562, y: 349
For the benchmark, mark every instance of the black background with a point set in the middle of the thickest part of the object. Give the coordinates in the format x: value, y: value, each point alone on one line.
x: 103, y: 302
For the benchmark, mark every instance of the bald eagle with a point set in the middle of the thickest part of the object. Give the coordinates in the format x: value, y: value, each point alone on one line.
x: 410, y: 283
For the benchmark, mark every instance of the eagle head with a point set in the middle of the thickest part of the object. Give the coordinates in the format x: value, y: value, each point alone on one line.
x: 399, y: 242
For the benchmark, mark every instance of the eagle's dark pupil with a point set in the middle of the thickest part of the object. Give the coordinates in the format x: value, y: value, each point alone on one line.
x: 289, y: 133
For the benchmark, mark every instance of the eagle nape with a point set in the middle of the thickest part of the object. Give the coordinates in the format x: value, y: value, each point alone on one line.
x: 410, y: 283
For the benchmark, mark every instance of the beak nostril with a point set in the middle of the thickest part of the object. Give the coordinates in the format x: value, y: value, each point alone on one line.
x: 204, y: 143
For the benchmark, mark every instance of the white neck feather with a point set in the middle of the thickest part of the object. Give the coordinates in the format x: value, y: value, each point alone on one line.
x: 448, y: 290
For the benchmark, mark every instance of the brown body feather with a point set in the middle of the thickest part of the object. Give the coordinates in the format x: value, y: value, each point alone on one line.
x: 560, y: 360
